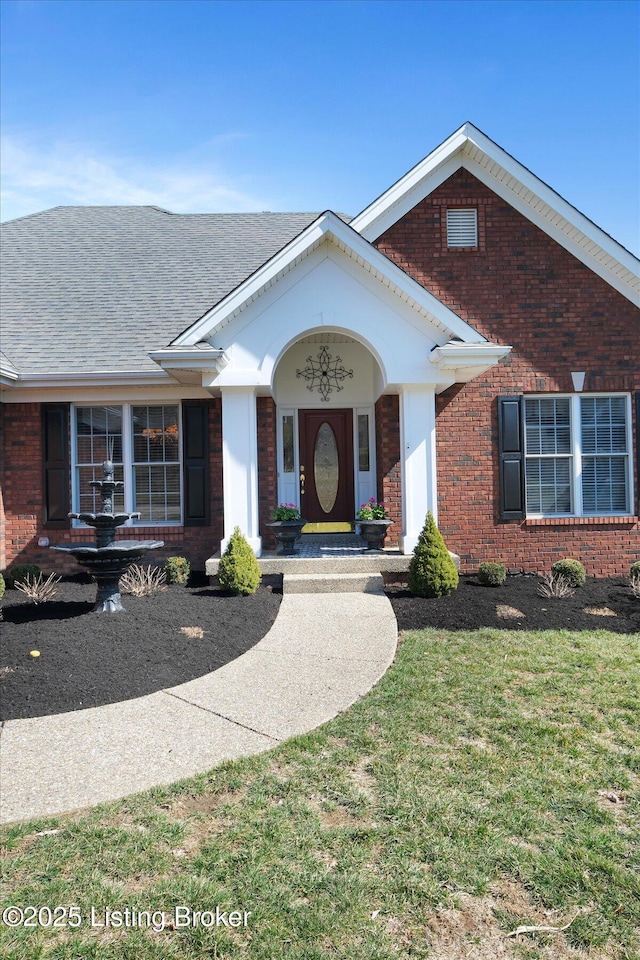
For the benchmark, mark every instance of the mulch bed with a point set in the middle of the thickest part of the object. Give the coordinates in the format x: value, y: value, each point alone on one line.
x: 472, y: 606
x: 88, y: 659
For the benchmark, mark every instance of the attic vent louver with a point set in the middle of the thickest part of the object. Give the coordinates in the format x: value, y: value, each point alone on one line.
x: 462, y: 228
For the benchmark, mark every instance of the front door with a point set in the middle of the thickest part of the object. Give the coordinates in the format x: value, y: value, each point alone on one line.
x: 326, y: 465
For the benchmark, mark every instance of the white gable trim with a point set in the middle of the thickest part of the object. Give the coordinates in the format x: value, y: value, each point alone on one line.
x: 468, y: 147
x: 328, y: 227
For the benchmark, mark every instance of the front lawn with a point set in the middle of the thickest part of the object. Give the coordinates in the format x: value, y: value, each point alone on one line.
x: 489, y: 781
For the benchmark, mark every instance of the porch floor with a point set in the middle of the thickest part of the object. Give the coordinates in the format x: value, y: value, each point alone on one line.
x: 328, y: 553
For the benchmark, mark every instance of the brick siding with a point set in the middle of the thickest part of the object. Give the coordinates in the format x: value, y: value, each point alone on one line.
x: 388, y: 462
x: 520, y: 288
x: 22, y: 472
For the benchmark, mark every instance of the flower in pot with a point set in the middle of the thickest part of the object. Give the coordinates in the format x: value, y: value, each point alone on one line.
x: 287, y: 523
x: 374, y: 522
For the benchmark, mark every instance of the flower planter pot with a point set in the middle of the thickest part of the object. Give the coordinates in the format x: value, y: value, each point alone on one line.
x: 287, y: 532
x: 374, y: 532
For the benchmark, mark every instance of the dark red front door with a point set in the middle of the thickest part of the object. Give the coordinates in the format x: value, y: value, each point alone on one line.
x: 326, y: 465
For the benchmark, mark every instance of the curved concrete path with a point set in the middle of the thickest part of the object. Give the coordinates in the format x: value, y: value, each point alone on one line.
x: 323, y: 652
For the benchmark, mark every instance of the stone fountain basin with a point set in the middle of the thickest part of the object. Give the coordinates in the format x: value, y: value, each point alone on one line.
x: 120, y: 548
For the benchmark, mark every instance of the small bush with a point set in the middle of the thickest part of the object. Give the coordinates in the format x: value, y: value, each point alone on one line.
x: 142, y: 581
x: 492, y: 574
x: 634, y: 572
x: 37, y: 589
x: 177, y: 570
x: 239, y: 571
x: 555, y: 585
x: 634, y: 581
x: 20, y: 572
x: 571, y: 570
x: 432, y: 572
x: 2, y: 586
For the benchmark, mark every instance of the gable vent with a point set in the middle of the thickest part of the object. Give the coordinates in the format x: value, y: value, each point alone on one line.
x: 462, y: 228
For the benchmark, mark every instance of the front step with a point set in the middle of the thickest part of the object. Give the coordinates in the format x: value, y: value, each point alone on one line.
x: 332, y: 583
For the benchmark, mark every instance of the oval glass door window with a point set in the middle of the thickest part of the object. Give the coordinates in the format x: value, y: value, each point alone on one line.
x: 325, y: 467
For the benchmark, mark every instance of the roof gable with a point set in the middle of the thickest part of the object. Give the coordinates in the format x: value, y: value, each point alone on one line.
x: 328, y: 227
x: 468, y: 147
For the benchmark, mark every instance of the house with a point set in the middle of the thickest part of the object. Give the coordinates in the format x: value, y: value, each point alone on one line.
x: 468, y: 344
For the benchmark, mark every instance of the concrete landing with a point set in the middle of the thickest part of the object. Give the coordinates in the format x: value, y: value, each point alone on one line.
x: 321, y: 654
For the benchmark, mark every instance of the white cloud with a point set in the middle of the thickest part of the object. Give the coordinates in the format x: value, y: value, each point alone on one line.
x: 35, y: 178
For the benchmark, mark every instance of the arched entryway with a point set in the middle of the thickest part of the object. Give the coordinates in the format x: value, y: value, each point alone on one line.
x: 325, y: 386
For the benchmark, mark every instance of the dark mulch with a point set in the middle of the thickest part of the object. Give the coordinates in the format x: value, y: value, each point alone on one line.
x: 472, y: 606
x: 88, y: 659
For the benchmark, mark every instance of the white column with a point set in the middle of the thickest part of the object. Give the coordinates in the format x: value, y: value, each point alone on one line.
x: 418, y: 460
x: 240, y: 465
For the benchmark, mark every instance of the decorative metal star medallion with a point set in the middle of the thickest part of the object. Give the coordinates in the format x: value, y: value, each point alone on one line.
x: 325, y: 373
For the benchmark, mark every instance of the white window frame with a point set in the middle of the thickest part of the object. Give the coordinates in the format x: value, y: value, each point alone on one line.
x: 127, y: 459
x: 575, y: 455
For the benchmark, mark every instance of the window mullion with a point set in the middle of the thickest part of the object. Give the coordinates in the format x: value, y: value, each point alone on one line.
x: 576, y: 447
x: 127, y: 459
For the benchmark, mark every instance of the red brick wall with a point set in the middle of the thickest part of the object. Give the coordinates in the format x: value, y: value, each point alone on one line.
x: 520, y: 288
x: 24, y: 508
x: 388, y: 462
x: 267, y: 468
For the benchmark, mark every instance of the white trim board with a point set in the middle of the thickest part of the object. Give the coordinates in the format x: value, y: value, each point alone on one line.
x: 468, y: 147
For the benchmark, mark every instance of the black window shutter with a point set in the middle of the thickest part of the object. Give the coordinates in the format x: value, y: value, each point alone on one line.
x: 195, y: 452
x: 55, y: 438
x: 638, y: 446
x: 511, y: 450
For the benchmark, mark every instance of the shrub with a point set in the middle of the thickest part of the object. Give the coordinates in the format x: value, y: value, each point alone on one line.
x: 37, y: 589
x: 142, y: 582
x: 2, y: 585
x: 555, y: 585
x: 177, y: 570
x: 432, y: 572
x: 634, y: 580
x: 634, y: 572
x: 571, y: 570
x: 492, y: 574
x: 239, y: 571
x: 21, y: 571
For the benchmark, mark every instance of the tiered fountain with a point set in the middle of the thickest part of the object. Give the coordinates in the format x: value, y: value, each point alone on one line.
x: 108, y: 560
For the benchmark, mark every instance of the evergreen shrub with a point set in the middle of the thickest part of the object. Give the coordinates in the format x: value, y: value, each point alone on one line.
x: 432, y: 572
x: 571, y: 570
x: 20, y: 572
x: 177, y: 570
x: 492, y: 574
x: 239, y: 571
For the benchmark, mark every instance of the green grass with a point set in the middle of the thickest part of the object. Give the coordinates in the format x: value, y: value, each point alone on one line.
x: 463, y: 797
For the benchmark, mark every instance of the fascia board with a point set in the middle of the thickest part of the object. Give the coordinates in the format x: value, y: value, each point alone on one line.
x: 629, y: 287
x: 96, y: 379
x: 327, y: 227
x: 591, y: 245
x: 375, y: 218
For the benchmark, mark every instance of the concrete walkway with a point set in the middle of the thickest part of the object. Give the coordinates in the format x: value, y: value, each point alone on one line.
x: 323, y: 652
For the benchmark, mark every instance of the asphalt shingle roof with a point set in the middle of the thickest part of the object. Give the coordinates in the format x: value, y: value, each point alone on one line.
x: 89, y: 289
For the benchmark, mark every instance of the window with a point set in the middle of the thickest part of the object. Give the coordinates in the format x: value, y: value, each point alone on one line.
x: 577, y: 455
x: 144, y: 443
x: 462, y: 228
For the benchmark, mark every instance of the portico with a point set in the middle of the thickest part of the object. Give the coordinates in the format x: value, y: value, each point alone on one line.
x: 326, y: 328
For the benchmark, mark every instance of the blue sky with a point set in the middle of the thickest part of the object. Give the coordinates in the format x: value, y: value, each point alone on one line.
x: 204, y: 106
